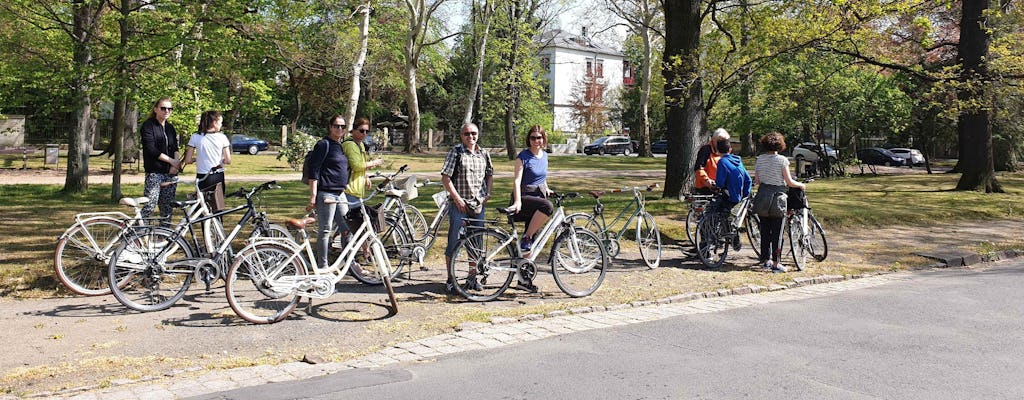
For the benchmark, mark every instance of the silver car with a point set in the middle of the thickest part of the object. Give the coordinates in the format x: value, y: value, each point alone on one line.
x: 912, y: 156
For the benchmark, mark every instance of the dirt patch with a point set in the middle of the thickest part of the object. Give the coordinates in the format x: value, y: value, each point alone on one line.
x: 75, y: 341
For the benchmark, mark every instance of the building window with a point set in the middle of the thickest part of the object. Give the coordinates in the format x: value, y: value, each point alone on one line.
x: 545, y: 63
x: 627, y: 73
x: 600, y: 68
x: 590, y: 68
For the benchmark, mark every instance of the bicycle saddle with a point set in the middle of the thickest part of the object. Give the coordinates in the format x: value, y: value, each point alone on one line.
x: 300, y: 223
x: 134, y: 202
x: 597, y: 193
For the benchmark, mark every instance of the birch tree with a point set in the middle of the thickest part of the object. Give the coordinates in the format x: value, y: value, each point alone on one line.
x: 643, y: 17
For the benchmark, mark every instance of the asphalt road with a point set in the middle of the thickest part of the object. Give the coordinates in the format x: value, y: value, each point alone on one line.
x: 944, y: 334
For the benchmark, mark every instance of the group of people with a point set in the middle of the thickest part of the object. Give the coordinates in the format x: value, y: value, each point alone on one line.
x: 718, y: 169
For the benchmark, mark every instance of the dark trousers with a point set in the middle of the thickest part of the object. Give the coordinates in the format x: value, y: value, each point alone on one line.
x: 771, y: 238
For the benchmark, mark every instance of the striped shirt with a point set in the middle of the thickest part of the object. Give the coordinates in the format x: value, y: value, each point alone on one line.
x: 768, y: 169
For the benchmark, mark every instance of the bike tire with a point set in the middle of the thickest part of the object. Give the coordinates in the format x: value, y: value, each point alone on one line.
x: 469, y: 264
x: 396, y: 245
x: 80, y: 263
x: 712, y: 250
x: 578, y: 262
x: 648, y: 238
x: 753, y: 225
x: 819, y: 243
x: 692, y: 216
x: 249, y: 286
x: 146, y: 263
x: 797, y: 243
x: 589, y: 222
x: 272, y: 231
x: 418, y: 223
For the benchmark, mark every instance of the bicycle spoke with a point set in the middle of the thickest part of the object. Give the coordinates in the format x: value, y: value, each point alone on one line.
x: 481, y: 267
x: 579, y: 262
x: 257, y: 287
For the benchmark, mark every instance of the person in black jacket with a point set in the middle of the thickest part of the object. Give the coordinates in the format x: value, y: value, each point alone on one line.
x: 328, y: 179
x: 160, y: 160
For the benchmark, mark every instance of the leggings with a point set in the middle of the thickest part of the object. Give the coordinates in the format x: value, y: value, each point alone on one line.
x: 771, y: 238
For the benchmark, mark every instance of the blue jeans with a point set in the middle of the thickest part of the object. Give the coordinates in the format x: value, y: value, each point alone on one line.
x: 329, y: 217
x: 455, y: 218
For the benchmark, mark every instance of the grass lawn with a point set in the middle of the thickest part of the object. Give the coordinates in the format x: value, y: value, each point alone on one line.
x: 35, y: 215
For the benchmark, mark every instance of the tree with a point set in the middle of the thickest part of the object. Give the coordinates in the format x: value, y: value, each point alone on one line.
x: 975, y: 131
x: 589, y: 110
x: 419, y: 23
x: 684, y: 108
x: 643, y: 19
x: 481, y: 28
x: 357, y: 66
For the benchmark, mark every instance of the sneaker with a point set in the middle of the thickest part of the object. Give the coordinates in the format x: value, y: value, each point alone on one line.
x: 780, y: 269
x: 736, y: 243
x: 473, y: 284
x: 525, y: 244
x: 528, y: 287
x: 769, y: 265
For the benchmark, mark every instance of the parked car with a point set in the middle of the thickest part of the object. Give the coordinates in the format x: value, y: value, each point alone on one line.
x: 808, y: 151
x: 247, y: 144
x: 659, y: 147
x: 878, y: 156
x: 912, y: 156
x: 610, y: 145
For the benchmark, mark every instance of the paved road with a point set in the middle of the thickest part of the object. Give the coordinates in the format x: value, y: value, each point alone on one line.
x: 943, y: 334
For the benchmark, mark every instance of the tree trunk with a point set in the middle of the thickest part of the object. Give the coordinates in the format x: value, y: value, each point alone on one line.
x: 747, y: 147
x: 485, y: 11
x: 357, y: 67
x: 684, y: 96
x: 645, y: 95
x: 412, y: 102
x: 973, y: 126
x: 79, y: 144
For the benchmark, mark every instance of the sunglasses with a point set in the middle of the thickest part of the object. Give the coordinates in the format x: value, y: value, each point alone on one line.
x: 338, y: 126
x: 363, y: 130
x: 473, y: 133
x: 536, y: 138
x: 168, y: 109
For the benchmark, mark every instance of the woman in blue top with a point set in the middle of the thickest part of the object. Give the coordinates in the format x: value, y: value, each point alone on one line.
x: 529, y: 195
x: 327, y: 182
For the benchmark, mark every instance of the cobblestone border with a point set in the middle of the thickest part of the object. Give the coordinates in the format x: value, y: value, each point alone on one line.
x: 500, y: 331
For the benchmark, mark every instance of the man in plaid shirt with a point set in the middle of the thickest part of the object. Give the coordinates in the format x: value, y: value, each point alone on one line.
x: 468, y: 177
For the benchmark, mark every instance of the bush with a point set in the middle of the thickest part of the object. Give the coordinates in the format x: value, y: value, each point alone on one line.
x: 298, y: 145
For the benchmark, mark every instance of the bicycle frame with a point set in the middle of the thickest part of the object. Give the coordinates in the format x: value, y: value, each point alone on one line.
x: 636, y: 205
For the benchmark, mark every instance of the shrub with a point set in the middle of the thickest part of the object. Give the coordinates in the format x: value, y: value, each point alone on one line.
x: 298, y: 145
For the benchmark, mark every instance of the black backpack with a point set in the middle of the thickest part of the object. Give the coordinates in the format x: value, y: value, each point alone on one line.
x: 306, y: 173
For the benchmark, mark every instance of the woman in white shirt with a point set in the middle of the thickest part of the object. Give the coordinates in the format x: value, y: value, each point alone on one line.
x: 210, y: 150
x: 772, y: 169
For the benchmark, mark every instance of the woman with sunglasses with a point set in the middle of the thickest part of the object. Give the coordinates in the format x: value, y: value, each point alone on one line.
x: 328, y: 179
x: 160, y: 159
x: 358, y: 160
x: 529, y: 195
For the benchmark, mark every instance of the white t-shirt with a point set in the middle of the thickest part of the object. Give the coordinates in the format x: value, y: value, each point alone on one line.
x: 768, y: 169
x: 209, y: 150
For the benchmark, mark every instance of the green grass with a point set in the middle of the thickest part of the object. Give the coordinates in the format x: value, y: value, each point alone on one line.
x: 35, y: 215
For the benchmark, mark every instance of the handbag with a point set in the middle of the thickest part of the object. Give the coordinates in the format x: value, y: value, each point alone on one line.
x: 770, y: 201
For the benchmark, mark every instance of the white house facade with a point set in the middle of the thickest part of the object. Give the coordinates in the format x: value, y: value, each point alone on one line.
x: 567, y: 60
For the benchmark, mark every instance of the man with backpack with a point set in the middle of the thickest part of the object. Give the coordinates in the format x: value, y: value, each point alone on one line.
x: 326, y: 168
x: 468, y: 177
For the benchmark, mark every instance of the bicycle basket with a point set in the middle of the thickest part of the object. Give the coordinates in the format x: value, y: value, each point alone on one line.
x: 408, y: 184
x: 440, y: 198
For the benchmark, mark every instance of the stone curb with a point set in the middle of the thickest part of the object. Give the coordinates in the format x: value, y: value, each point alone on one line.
x: 466, y: 336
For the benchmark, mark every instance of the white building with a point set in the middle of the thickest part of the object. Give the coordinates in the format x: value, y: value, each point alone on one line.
x: 568, y: 59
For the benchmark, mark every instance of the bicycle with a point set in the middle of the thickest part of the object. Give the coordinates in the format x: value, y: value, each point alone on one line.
x: 717, y: 231
x: 697, y: 204
x: 268, y: 278
x: 648, y: 238
x: 406, y: 218
x: 155, y: 265
x: 82, y: 253
x: 806, y: 236
x: 487, y: 258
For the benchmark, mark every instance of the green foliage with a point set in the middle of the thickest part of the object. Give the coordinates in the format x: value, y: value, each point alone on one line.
x: 295, y: 152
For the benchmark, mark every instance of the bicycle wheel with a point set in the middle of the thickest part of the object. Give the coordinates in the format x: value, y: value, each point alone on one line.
x: 649, y: 239
x: 578, y: 262
x: 712, y: 248
x: 818, y: 242
x: 482, y: 266
x: 753, y: 224
x: 692, y: 217
x: 271, y: 231
x: 396, y: 243
x: 152, y: 264
x: 260, y: 283
x: 82, y: 254
x: 798, y: 245
x: 589, y: 222
x: 417, y: 223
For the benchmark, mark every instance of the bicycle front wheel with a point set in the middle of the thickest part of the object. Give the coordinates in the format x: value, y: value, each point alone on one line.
x: 396, y: 243
x: 649, y: 239
x: 260, y: 283
x: 482, y: 266
x: 82, y: 254
x: 798, y: 245
x: 753, y: 224
x: 818, y: 243
x: 151, y: 267
x: 712, y: 249
x: 579, y: 262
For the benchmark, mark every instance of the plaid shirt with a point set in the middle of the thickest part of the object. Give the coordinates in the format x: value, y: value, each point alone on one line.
x: 470, y: 179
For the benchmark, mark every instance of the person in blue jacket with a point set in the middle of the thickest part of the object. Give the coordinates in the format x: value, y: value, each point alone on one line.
x: 327, y: 183
x: 731, y: 176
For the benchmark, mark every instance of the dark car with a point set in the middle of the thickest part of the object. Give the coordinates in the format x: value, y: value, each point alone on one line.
x: 247, y: 144
x: 610, y: 145
x: 660, y: 147
x: 878, y: 156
